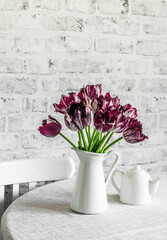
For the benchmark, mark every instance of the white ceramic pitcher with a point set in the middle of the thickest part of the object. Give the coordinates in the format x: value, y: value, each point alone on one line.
x: 89, y: 195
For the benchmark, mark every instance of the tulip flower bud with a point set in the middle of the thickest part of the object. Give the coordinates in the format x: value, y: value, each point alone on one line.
x: 78, y: 116
x: 51, y: 127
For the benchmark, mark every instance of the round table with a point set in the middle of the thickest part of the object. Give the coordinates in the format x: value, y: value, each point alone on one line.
x: 45, y: 214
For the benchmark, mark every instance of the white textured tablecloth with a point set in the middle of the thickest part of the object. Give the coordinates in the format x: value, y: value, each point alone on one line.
x: 44, y: 214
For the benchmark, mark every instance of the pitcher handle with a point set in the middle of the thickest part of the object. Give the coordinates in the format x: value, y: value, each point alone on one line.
x: 113, y: 181
x: 113, y: 166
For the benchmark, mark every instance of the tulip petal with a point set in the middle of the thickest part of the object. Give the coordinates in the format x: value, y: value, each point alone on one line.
x: 133, y: 132
x: 65, y: 102
x: 89, y: 93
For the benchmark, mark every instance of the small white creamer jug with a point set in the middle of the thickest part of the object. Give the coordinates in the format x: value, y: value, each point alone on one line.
x: 137, y: 187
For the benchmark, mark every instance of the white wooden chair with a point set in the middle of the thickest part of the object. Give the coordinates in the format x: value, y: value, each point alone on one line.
x: 30, y: 171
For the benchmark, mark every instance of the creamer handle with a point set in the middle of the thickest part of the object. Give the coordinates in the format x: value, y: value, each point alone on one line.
x: 113, y: 166
x: 113, y: 181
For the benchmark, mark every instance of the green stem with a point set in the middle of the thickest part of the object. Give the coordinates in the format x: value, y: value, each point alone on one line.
x: 91, y: 140
x: 87, y: 134
x: 79, y: 142
x: 83, y: 139
x: 117, y: 140
x: 94, y: 142
x: 102, y: 141
x: 97, y: 141
x: 101, y: 136
x: 68, y: 140
x: 108, y: 139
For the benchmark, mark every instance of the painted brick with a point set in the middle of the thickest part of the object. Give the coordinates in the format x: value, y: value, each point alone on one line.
x: 34, y: 66
x: 149, y: 48
x: 30, y: 21
x: 66, y: 24
x: 11, y: 65
x: 104, y: 24
x: 3, y: 45
x: 156, y: 138
x: 155, y: 155
x: 114, y: 6
x: 2, y: 124
x: 160, y: 66
x: 116, y: 85
x: 9, y: 142
x: 50, y: 84
x: 127, y: 98
x: 74, y: 82
x: 35, y: 105
x: 84, y: 6
x: 69, y: 44
x: 158, y: 104
x: 9, y: 105
x: 13, y: 5
x: 150, y: 8
x: 155, y: 27
x: 83, y: 65
x: 18, y: 85
x: 128, y: 27
x: 143, y: 103
x: 71, y: 83
x: 34, y: 140
x: 113, y: 24
x: 5, y: 22
x: 53, y: 5
x: 26, y: 44
x: 149, y: 121
x: 163, y: 120
x: 156, y: 85
x: 24, y: 122
x: 107, y: 45
x: 138, y: 66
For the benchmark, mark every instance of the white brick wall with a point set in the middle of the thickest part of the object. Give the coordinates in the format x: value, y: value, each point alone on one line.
x: 52, y: 47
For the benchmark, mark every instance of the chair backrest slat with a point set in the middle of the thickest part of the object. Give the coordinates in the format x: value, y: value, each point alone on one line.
x: 2, y: 194
x: 15, y: 191
x: 30, y: 171
x: 32, y: 185
x: 33, y: 170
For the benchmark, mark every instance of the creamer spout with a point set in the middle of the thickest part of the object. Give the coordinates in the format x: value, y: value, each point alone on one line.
x: 153, y: 185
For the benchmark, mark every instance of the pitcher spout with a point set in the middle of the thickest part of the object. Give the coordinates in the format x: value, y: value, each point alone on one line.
x: 153, y: 185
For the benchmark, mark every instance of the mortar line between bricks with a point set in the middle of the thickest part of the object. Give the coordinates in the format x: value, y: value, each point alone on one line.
x: 81, y: 55
x: 83, y: 74
x: 64, y: 13
x: 43, y: 32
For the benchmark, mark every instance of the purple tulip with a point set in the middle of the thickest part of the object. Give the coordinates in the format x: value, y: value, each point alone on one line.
x: 106, y: 112
x: 111, y: 116
x: 89, y: 93
x: 133, y: 132
x: 104, y: 121
x: 51, y: 127
x: 65, y: 102
x: 128, y: 111
x: 104, y: 102
x: 78, y: 116
x: 125, y: 113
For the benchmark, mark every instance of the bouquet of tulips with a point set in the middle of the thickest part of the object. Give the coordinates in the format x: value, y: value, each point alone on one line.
x: 106, y: 113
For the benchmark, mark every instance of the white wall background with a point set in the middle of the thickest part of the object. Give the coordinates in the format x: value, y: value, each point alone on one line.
x: 50, y: 47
